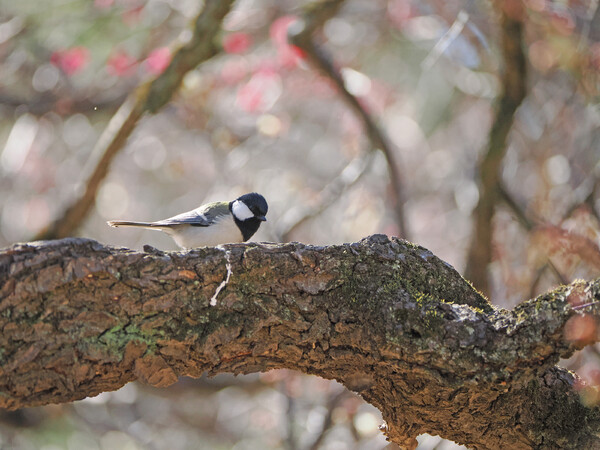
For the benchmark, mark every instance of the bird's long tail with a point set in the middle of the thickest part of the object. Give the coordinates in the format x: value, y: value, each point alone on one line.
x: 128, y: 223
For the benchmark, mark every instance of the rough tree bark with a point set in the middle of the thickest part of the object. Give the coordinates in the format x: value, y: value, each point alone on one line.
x: 386, y: 318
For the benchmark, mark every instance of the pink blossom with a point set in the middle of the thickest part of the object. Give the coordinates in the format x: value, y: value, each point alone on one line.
x: 103, y: 4
x: 132, y: 16
x: 595, y: 55
x: 261, y: 92
x: 562, y: 21
x: 302, y: 84
x: 399, y: 11
x: 71, y: 60
x: 120, y: 63
x: 279, y: 28
x: 158, y: 60
x: 237, y: 42
x: 289, y: 55
x: 234, y: 70
x: 250, y: 97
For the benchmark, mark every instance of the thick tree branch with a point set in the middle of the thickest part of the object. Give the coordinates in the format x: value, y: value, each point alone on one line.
x: 149, y: 97
x: 386, y: 318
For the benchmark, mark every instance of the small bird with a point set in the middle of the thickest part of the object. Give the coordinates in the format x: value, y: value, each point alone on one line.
x: 211, y: 224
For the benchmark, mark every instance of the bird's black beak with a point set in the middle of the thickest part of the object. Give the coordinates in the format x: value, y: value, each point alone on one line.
x: 261, y: 218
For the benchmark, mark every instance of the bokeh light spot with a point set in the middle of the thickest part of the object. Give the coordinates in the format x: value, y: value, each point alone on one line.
x: 77, y: 130
x: 466, y: 196
x: 558, y: 169
x: 367, y: 423
x: 45, y: 78
x: 112, y: 200
x: 542, y: 56
x: 19, y: 143
x: 356, y: 83
x: 581, y: 329
x: 149, y: 153
x: 269, y: 125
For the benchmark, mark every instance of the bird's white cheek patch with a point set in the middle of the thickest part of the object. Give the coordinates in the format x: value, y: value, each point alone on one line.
x: 241, y: 211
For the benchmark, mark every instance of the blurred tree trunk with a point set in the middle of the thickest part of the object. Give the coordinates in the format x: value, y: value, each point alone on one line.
x: 386, y: 318
x: 514, y: 90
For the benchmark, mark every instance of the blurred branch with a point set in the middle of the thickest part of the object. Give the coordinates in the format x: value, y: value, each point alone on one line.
x: 301, y: 35
x: 585, y: 249
x: 533, y: 289
x: 514, y: 88
x: 147, y: 98
x: 528, y: 225
x: 561, y: 241
x: 80, y: 318
x: 290, y: 416
x: 332, y: 403
x: 450, y: 36
x: 593, y: 26
x: 585, y: 194
x: 45, y: 103
x: 519, y: 212
x: 294, y: 217
x: 594, y: 351
x: 590, y: 201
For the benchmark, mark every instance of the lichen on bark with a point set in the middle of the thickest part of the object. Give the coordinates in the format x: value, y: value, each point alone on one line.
x: 384, y: 317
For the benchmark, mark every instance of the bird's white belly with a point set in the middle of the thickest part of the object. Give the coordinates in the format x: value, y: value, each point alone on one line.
x: 223, y: 232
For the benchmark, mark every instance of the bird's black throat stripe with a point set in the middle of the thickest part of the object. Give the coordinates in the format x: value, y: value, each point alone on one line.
x: 248, y: 227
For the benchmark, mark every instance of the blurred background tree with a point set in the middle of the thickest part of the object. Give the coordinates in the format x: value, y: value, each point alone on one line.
x: 259, y: 116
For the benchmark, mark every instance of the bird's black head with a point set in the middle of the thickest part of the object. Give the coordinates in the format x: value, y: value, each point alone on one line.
x: 249, y: 211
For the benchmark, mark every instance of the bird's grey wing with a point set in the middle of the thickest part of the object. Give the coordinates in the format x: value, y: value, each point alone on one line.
x: 213, y: 210
x: 203, y: 216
